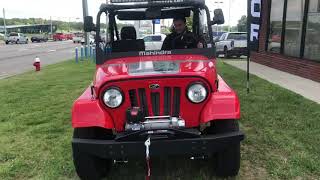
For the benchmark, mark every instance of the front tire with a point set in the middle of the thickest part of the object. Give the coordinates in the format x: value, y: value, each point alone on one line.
x: 89, y: 167
x: 226, y: 53
x: 227, y: 161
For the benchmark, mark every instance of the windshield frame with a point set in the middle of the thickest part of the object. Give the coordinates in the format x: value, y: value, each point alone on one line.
x: 112, y: 8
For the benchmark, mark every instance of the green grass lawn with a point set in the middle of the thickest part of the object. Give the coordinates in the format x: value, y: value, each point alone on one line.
x: 282, y: 130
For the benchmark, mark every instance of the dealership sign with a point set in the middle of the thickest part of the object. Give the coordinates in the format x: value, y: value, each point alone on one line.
x: 254, y: 24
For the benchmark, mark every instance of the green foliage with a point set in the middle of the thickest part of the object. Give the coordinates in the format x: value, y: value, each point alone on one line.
x: 189, y: 22
x: 165, y: 30
x: 242, y: 24
x: 61, y: 25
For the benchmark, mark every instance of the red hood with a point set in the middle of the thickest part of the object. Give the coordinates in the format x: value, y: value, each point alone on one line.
x: 153, y: 66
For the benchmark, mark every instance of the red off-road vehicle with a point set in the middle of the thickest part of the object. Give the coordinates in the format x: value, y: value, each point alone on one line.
x: 152, y: 103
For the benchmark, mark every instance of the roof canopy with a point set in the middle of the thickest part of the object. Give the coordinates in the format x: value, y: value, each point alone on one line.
x: 140, y: 14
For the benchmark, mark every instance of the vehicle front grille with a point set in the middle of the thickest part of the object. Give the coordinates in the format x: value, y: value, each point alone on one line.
x: 165, y: 102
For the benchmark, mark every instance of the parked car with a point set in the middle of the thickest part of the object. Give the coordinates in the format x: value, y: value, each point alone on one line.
x: 145, y: 104
x: 232, y: 44
x: 77, y: 37
x: 17, y: 38
x: 69, y: 36
x: 59, y: 37
x: 39, y: 38
x: 91, y: 40
x: 154, y: 42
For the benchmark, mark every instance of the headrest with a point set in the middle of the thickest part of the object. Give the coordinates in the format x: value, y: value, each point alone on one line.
x: 128, y: 32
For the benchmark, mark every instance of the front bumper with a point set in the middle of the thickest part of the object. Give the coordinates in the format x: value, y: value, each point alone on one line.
x: 238, y: 51
x: 192, y: 145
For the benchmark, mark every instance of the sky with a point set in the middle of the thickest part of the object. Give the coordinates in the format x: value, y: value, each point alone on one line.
x: 66, y: 10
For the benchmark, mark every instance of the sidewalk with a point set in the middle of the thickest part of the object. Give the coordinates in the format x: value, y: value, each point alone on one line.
x: 305, y: 87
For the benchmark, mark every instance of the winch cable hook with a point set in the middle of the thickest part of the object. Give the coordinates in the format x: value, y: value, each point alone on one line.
x: 147, y: 143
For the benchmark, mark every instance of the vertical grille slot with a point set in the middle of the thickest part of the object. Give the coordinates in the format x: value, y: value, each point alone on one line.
x: 155, y: 101
x: 176, y: 102
x: 133, y: 98
x: 167, y: 101
x: 143, y: 101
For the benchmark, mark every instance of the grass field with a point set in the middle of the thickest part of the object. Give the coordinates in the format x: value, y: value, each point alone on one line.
x: 282, y: 130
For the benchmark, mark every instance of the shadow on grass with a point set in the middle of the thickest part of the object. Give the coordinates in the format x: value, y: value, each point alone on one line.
x: 165, y: 168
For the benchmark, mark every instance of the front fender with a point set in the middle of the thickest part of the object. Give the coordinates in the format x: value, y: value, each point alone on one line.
x: 87, y: 112
x: 223, y: 104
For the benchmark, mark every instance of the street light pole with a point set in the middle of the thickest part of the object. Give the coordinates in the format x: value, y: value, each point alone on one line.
x: 69, y: 24
x: 4, y: 23
x: 51, y: 25
x: 229, y: 16
x: 85, y: 13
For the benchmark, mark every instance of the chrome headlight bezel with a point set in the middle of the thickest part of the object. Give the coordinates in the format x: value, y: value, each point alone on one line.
x: 202, y: 86
x: 115, y: 89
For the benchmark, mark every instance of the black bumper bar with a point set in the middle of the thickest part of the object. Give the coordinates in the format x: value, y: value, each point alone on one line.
x: 190, y: 147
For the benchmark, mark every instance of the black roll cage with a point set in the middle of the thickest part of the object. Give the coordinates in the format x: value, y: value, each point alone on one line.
x: 112, y: 8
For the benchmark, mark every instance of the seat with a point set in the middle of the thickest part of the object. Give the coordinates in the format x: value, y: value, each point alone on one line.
x: 129, y: 41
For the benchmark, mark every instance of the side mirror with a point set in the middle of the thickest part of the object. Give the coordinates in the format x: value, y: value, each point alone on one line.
x: 218, y: 17
x: 88, y: 24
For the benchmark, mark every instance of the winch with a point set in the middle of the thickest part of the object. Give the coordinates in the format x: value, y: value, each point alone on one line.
x: 156, y: 122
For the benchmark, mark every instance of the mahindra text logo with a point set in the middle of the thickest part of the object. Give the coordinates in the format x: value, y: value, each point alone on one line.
x: 154, y: 86
x: 154, y: 53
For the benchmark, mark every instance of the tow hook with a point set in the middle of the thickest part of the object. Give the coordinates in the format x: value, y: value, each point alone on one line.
x: 198, y: 157
x: 92, y: 91
x: 120, y: 161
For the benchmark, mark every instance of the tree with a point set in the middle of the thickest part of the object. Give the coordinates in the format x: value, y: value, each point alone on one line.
x: 189, y: 22
x: 242, y: 24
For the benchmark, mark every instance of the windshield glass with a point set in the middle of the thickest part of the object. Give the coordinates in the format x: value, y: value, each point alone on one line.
x: 152, y: 35
x: 154, y: 67
x: 13, y: 34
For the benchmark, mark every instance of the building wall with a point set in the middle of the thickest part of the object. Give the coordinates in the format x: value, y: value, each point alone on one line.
x: 301, y: 67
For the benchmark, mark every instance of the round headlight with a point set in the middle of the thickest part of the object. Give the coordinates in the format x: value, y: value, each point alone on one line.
x: 197, y: 93
x: 112, y: 98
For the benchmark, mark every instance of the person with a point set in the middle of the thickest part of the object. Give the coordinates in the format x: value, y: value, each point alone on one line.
x: 181, y: 37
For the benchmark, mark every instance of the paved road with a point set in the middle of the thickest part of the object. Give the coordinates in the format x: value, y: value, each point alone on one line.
x: 18, y: 58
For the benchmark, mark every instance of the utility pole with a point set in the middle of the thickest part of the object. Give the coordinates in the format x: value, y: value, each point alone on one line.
x: 4, y: 23
x: 69, y: 24
x: 51, y: 26
x: 85, y: 13
x: 229, y: 16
